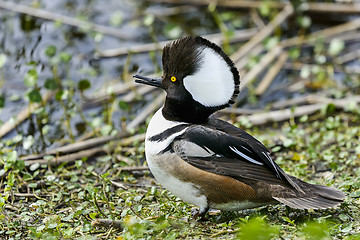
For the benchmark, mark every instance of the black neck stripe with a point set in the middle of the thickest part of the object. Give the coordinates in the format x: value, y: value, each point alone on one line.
x: 168, y: 132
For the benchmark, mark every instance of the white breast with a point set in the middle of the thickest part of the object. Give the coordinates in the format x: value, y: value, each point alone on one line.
x: 165, y: 166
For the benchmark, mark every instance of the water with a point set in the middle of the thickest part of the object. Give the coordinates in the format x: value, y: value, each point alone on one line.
x: 24, y: 40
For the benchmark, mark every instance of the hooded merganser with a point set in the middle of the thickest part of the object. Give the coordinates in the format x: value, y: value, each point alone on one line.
x: 206, y: 161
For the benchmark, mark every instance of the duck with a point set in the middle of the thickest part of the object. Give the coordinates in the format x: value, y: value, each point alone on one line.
x: 206, y: 161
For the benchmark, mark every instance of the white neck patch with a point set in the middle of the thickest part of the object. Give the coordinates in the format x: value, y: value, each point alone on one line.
x: 213, y: 84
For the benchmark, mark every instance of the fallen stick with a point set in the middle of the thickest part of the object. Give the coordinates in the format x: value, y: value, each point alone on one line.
x: 77, y: 146
x: 69, y: 158
x: 271, y: 74
x: 325, y: 33
x: 262, y: 33
x: 298, y: 66
x: 40, y: 13
x: 239, y: 35
x: 323, y: 7
x: 118, y: 185
x: 241, y: 64
x: 260, y: 66
x: 27, y: 195
x: 238, y: 111
x: 347, y: 57
x: 136, y: 168
x: 226, y: 3
x: 72, y: 157
x: 128, y: 96
x: 150, y: 108
x: 286, y: 114
x: 256, y: 18
x: 103, y: 95
x: 23, y: 115
x: 91, y: 143
x: 308, y: 99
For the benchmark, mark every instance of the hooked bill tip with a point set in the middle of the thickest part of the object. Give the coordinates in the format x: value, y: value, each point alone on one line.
x: 155, y: 82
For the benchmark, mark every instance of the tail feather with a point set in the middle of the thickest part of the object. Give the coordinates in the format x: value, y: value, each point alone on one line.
x: 312, y: 196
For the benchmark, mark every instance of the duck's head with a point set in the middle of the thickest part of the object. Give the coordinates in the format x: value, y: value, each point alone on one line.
x: 198, y: 77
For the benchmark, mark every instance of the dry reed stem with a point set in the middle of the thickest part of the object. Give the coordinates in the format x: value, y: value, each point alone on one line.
x: 40, y: 13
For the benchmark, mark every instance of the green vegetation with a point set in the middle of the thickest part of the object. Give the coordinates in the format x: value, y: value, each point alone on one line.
x: 105, y: 191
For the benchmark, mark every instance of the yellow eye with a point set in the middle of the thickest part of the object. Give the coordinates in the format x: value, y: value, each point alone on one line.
x: 173, y: 79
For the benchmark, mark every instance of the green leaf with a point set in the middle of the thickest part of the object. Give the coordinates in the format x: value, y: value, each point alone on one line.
x: 34, y: 96
x: 123, y: 105
x: 84, y: 84
x: 316, y: 230
x: 32, y: 185
x: 30, y: 78
x: 51, y: 84
x: 50, y: 51
x: 65, y: 57
x: 2, y: 201
x: 40, y: 228
x: 149, y: 19
x: 355, y: 194
x: 257, y: 228
x: 3, y: 59
x: 2, y: 101
x: 93, y: 215
x: 172, y: 30
x: 58, y: 95
x: 304, y: 21
x: 12, y: 156
x: 116, y: 19
x: 336, y: 46
x: 28, y: 142
x: 34, y: 166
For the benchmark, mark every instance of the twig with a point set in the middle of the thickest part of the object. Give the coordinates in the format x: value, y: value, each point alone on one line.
x: 243, y: 61
x: 67, y: 158
x: 80, y: 154
x: 347, y: 57
x: 119, y: 185
x: 23, y: 115
x: 330, y: 7
x: 132, y: 139
x: 298, y: 66
x: 226, y: 3
x: 325, y: 33
x: 311, y: 98
x: 282, y: 115
x: 256, y: 18
x: 271, y: 74
x: 40, y: 13
x: 136, y: 168
x: 103, y: 95
x: 238, y: 111
x: 150, y: 108
x: 107, y: 223
x: 260, y: 66
x: 263, y: 33
x: 77, y: 146
x: 140, y: 91
x: 239, y: 35
x: 27, y: 195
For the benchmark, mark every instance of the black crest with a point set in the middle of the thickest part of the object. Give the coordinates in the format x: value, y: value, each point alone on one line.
x: 183, y: 57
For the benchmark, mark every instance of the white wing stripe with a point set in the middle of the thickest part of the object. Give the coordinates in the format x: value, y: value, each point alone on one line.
x: 235, y: 150
x: 272, y: 162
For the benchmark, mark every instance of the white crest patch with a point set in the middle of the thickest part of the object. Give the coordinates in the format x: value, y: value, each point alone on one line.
x: 213, y: 84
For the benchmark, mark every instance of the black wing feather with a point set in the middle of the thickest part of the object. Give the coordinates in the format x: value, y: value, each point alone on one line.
x: 229, y: 144
x: 245, y: 148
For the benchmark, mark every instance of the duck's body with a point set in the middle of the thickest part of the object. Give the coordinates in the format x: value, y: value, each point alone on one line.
x: 209, y: 162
